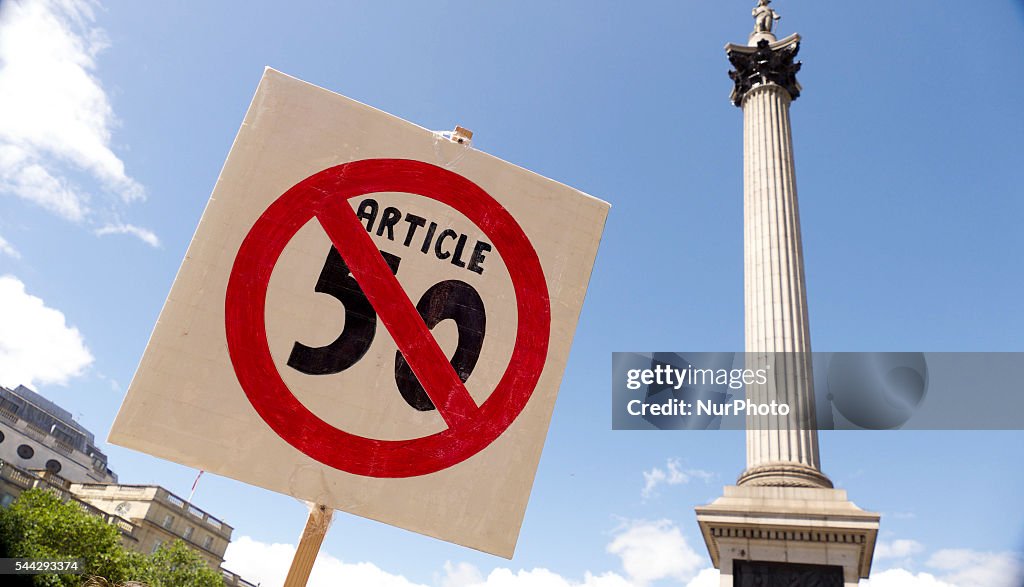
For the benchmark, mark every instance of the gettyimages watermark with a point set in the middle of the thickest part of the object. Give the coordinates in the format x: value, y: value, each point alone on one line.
x: 823, y: 391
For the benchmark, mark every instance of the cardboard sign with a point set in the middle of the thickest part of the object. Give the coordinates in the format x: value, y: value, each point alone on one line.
x: 370, y: 316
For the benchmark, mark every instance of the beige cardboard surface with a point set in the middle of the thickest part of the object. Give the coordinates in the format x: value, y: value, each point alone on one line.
x: 185, y: 403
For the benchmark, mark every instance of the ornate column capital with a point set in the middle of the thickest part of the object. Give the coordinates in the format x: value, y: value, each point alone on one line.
x: 767, y: 63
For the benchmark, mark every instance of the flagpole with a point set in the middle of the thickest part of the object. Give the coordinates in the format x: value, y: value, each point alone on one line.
x: 194, y: 484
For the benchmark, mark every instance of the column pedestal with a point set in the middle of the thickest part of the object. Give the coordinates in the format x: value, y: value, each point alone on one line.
x: 797, y: 535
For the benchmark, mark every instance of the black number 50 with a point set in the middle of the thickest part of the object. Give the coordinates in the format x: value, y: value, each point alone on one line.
x: 448, y: 300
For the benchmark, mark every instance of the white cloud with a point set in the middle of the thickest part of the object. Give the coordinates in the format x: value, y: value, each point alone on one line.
x: 7, y: 249
x: 949, y: 568
x: 267, y: 564
x: 971, y: 568
x: 655, y: 550
x: 56, y: 120
x: 706, y: 578
x: 544, y: 578
x: 897, y: 549
x: 36, y: 344
x: 502, y: 577
x: 672, y: 474
x: 23, y: 176
x: 903, y: 578
x: 650, y: 551
x: 461, y: 575
x: 143, y: 234
x: 113, y: 383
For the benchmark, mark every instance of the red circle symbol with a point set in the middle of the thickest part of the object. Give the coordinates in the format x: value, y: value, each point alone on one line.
x: 325, y: 196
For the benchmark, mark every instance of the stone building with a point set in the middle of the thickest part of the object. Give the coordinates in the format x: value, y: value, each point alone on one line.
x: 14, y: 480
x: 41, y: 446
x: 159, y: 516
x: 36, y: 433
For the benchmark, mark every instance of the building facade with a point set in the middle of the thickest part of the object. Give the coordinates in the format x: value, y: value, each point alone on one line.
x: 36, y: 433
x: 159, y: 517
x: 42, y: 446
x: 14, y: 480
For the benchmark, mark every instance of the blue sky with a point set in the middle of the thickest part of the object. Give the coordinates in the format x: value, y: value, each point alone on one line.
x: 115, y: 119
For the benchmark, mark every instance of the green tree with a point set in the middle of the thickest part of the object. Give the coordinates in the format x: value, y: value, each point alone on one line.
x: 41, y: 525
x: 175, y: 564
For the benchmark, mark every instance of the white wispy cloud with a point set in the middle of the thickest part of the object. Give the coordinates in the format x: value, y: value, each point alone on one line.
x: 56, y: 119
x: 901, y: 548
x: 145, y: 235
x: 946, y: 568
x: 971, y: 568
x: 898, y: 553
x: 649, y: 551
x: 541, y: 577
x: 460, y: 575
x: 706, y: 578
x: 903, y: 578
x: 7, y: 249
x: 24, y: 176
x: 36, y: 343
x: 672, y: 474
x: 267, y: 564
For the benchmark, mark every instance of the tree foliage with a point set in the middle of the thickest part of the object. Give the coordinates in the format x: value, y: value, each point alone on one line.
x: 175, y: 564
x: 39, y: 524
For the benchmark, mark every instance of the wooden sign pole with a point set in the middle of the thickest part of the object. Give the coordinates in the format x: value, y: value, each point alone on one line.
x: 309, y: 545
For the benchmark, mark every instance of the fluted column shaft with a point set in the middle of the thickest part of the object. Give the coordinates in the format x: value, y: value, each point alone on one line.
x: 781, y: 450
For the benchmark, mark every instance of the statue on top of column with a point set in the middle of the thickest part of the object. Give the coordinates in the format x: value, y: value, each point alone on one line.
x: 764, y: 17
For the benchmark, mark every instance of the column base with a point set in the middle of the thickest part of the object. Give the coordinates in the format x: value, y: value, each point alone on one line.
x: 784, y: 475
x: 783, y: 532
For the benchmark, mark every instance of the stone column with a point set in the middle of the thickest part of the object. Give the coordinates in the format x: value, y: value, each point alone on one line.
x: 783, y: 524
x: 781, y: 450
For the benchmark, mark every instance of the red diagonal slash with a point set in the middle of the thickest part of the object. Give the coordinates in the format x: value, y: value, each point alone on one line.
x: 397, y: 312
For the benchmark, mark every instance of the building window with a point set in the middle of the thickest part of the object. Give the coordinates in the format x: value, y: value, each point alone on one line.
x: 156, y: 545
x: 208, y: 543
x: 9, y: 408
x: 53, y: 466
x: 188, y: 532
x: 6, y: 500
x: 25, y: 451
x: 168, y: 521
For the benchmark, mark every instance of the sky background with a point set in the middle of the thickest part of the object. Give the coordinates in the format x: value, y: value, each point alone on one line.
x: 115, y: 119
